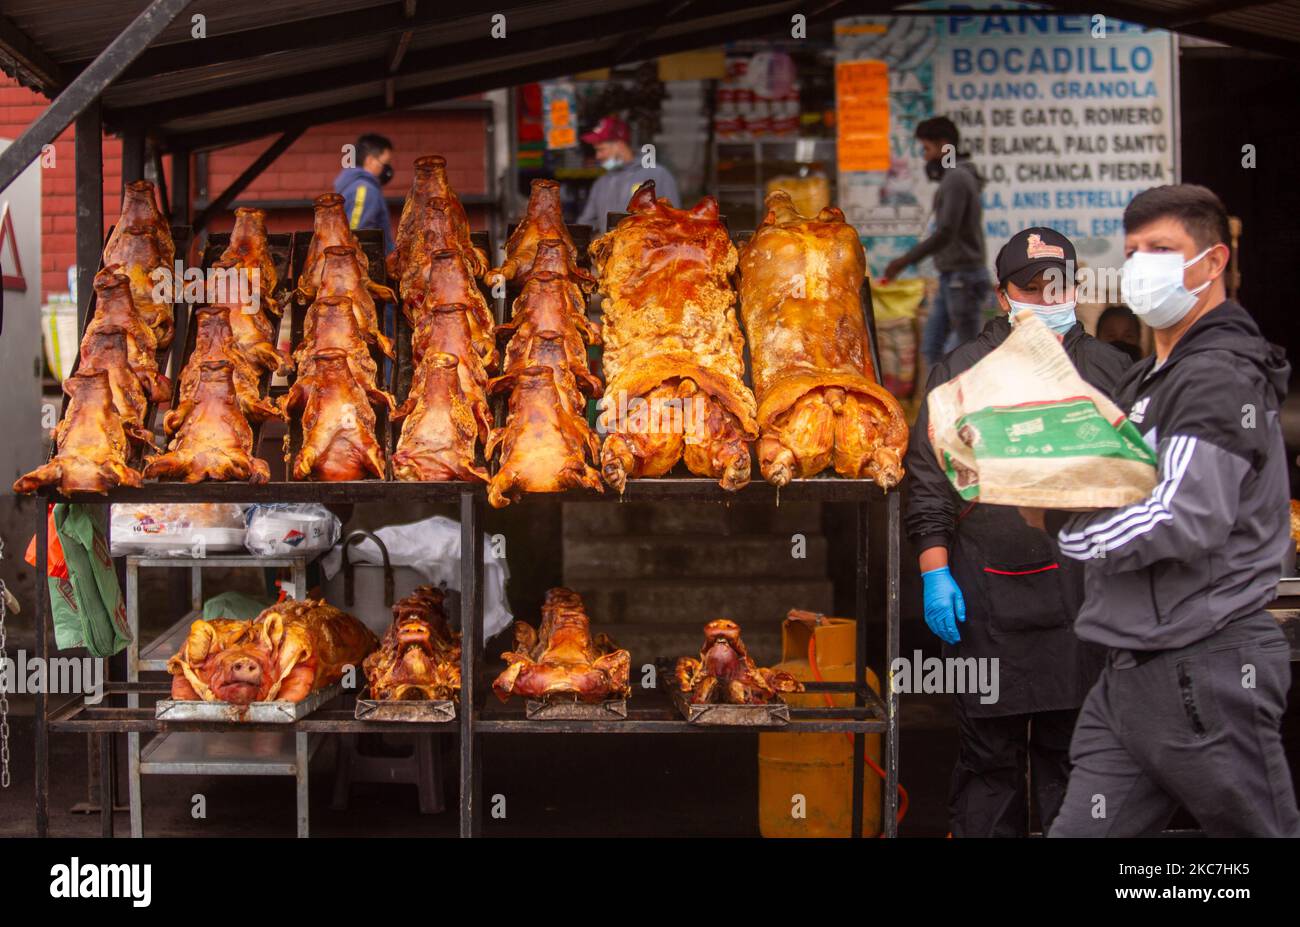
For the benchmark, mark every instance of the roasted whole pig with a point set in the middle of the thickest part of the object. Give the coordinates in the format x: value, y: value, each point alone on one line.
x: 106, y: 348
x: 438, y: 233
x: 450, y: 283
x: 555, y: 257
x: 724, y: 673
x: 331, y: 322
x: 140, y: 210
x: 544, y: 445
x: 115, y: 308
x: 329, y: 230
x: 338, y: 423
x: 289, y: 651
x: 213, y: 438
x: 253, y: 327
x: 419, y: 655
x: 442, y: 425
x: 338, y: 272
x: 549, y: 302
x: 214, y: 341
x: 91, y: 442
x: 136, y: 252
x: 674, y: 354
x: 249, y: 249
x: 431, y: 191
x: 543, y: 219
x: 819, y: 402
x: 555, y: 350
x: 447, y: 330
x: 562, y: 660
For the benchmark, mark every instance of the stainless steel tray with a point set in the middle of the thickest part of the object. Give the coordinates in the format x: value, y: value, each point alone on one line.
x: 609, y: 710
x: 436, y: 710
x: 773, y: 714
x: 279, y: 712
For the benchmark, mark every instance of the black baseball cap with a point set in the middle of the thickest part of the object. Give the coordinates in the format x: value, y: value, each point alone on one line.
x: 1031, y: 251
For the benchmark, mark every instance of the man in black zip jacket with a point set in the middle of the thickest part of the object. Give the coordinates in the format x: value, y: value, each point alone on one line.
x: 1188, y: 706
x: 1022, y: 600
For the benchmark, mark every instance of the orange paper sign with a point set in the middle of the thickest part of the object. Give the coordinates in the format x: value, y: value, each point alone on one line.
x: 862, y: 112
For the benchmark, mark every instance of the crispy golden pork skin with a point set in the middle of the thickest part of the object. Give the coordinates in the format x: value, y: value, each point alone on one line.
x: 91, y: 442
x: 289, y: 651
x: 562, y: 660
x: 819, y: 402
x: 419, y: 656
x: 725, y: 674
x: 545, y: 446
x: 213, y: 438
x: 672, y: 346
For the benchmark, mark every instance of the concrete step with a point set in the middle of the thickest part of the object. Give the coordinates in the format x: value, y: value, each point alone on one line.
x: 668, y: 602
x: 648, y: 556
x: 589, y: 519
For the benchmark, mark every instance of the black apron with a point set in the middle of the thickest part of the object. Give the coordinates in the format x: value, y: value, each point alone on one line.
x: 1021, y: 600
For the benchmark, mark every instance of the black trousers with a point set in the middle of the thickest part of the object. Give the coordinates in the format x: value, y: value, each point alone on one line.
x: 997, y: 760
x: 1197, y: 727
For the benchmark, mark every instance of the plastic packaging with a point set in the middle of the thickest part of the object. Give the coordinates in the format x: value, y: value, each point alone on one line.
x: 282, y: 528
x: 176, y: 530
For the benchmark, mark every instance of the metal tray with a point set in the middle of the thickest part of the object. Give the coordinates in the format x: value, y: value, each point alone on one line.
x: 773, y: 714
x: 440, y: 710
x: 278, y: 712
x: 609, y: 710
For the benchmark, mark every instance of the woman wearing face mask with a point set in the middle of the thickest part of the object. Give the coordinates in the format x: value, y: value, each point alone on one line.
x: 994, y: 588
x: 1188, y: 706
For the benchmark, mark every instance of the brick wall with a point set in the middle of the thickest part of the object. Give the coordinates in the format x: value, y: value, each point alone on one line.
x: 307, y: 169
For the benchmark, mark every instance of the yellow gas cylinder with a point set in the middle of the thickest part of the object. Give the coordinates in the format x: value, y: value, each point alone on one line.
x: 804, y: 780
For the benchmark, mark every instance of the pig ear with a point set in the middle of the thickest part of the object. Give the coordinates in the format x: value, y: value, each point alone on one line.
x: 272, y: 630
x: 199, y: 644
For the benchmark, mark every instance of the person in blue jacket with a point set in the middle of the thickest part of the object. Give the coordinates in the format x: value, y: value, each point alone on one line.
x: 362, y: 187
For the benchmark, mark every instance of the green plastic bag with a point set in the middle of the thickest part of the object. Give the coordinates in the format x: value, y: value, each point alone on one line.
x: 235, y: 605
x: 87, y: 608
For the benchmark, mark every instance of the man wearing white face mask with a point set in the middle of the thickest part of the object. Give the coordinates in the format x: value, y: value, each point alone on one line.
x: 1188, y: 706
x: 624, y: 173
x: 994, y: 588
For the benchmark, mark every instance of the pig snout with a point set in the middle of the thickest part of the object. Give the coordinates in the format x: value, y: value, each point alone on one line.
x: 245, y: 669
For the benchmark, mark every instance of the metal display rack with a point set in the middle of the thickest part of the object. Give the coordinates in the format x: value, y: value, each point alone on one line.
x: 195, y: 754
x: 648, y: 713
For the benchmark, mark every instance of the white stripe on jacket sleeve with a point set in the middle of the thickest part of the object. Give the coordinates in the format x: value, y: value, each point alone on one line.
x: 1117, y: 528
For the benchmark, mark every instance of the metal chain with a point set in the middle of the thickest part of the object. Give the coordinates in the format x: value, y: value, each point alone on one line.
x: 4, y: 694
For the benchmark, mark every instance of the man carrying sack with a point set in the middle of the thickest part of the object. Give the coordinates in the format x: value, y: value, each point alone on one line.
x: 994, y: 587
x: 1189, y: 703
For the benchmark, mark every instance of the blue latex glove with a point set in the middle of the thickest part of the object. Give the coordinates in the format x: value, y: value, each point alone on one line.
x: 944, y: 604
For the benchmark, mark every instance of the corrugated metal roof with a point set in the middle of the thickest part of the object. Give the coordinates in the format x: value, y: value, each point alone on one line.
x: 262, y: 61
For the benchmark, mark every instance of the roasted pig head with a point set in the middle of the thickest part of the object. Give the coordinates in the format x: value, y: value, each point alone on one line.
x: 450, y: 283
x: 724, y: 672
x: 419, y: 656
x: 563, y: 661
x: 289, y: 651
x: 91, y: 442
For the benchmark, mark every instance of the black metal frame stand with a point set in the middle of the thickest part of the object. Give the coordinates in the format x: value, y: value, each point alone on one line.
x: 479, y: 715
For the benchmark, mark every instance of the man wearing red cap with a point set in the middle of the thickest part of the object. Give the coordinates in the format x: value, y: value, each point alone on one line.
x: 623, y: 174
